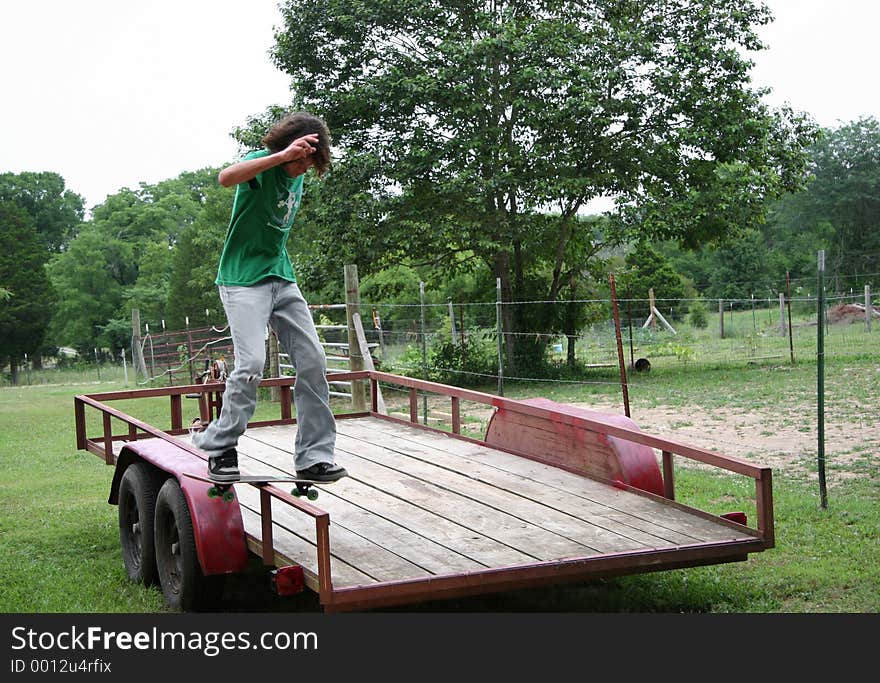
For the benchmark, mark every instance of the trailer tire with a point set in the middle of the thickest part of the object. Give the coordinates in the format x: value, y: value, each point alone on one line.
x: 183, y: 585
x: 138, y: 489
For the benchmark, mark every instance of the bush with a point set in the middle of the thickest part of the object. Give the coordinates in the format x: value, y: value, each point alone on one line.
x: 697, y: 315
x: 468, y: 363
x: 471, y: 363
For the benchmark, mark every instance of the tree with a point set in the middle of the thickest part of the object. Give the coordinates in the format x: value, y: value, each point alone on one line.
x: 123, y: 259
x: 838, y: 211
x: 25, y: 314
x: 648, y: 269
x: 472, y: 118
x: 844, y: 194
x: 90, y: 277
x: 196, y: 255
x: 56, y: 211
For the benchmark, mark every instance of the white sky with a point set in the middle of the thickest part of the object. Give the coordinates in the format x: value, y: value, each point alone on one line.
x: 112, y: 93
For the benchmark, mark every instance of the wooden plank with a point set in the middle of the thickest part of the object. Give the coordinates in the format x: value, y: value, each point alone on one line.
x: 593, y: 529
x: 382, y: 507
x: 459, y: 499
x: 296, y: 550
x: 357, y: 551
x: 564, y: 490
x: 420, y: 550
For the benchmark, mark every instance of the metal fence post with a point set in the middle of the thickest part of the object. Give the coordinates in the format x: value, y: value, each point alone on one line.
x: 820, y: 383
x: 424, y: 351
x: 499, y: 328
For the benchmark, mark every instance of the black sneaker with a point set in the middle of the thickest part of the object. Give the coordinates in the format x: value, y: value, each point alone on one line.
x: 322, y: 471
x: 224, y: 467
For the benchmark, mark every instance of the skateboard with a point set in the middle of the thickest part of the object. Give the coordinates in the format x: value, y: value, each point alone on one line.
x: 224, y: 490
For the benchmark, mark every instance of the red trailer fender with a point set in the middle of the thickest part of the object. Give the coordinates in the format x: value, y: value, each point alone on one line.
x: 554, y: 441
x: 217, y: 524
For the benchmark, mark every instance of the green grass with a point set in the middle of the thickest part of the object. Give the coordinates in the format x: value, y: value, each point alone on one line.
x: 59, y: 543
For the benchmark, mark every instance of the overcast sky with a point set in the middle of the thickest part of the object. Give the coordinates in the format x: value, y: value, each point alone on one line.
x: 112, y: 93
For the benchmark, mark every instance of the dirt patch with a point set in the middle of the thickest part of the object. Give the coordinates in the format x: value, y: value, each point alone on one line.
x: 785, y: 440
x: 786, y: 443
x: 849, y: 313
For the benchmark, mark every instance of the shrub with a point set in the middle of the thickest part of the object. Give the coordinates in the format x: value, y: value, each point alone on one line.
x: 697, y: 315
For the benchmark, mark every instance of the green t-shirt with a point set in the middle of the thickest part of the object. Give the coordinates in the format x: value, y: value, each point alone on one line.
x: 262, y: 217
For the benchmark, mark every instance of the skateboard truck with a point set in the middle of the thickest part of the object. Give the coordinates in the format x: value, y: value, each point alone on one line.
x: 226, y: 491
x: 303, y: 488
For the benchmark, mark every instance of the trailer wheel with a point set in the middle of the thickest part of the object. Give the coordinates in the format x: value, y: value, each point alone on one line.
x: 180, y: 575
x: 138, y: 489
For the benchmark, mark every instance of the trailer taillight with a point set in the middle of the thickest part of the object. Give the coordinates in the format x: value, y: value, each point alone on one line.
x: 288, y: 580
x: 738, y: 517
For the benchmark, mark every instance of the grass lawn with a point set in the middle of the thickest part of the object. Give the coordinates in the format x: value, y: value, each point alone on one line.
x: 59, y: 540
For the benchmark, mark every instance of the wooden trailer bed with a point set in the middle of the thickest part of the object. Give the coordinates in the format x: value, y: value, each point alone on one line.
x: 427, y: 514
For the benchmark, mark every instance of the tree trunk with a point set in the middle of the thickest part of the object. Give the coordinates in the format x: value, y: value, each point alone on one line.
x: 13, y: 370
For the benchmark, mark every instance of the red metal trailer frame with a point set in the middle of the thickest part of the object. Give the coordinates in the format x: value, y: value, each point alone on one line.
x: 223, y: 545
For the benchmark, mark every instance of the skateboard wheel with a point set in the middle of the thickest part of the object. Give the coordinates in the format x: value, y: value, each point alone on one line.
x: 213, y: 492
x: 295, y: 492
x: 229, y: 496
x: 312, y: 494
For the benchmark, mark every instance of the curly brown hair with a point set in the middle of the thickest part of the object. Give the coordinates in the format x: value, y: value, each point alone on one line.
x: 295, y: 125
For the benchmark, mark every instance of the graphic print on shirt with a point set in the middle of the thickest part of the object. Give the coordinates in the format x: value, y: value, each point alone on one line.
x: 290, y: 200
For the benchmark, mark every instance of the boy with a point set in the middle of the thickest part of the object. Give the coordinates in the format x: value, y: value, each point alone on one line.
x: 257, y: 286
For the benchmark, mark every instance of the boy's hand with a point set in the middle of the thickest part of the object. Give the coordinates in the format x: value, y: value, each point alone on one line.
x: 300, y: 148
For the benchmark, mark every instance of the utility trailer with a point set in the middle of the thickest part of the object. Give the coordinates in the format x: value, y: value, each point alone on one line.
x: 550, y: 494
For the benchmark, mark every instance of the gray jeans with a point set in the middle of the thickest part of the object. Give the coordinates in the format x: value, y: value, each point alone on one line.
x: 280, y: 304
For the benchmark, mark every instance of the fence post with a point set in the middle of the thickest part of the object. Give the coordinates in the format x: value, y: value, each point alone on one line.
x: 629, y: 320
x: 620, y: 359
x: 782, y: 326
x: 355, y: 359
x: 869, y: 312
x: 754, y: 316
x: 463, y: 333
x: 499, y: 328
x: 820, y: 383
x: 452, y: 324
x: 721, y: 316
x: 790, y: 330
x: 152, y: 353
x: 189, y: 352
x: 137, y: 353
x: 424, y: 336
x: 377, y: 323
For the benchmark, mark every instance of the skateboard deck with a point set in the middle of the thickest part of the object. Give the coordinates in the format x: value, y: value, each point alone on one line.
x: 223, y: 489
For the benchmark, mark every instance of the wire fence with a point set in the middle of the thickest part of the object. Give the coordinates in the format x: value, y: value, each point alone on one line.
x: 725, y: 331
x: 467, y: 343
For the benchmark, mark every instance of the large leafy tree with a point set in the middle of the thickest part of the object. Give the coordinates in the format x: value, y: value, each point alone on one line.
x: 843, y: 196
x: 55, y: 210
x: 25, y: 312
x: 838, y: 211
x: 196, y: 254
x: 122, y: 259
x: 56, y: 214
x: 475, y: 116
